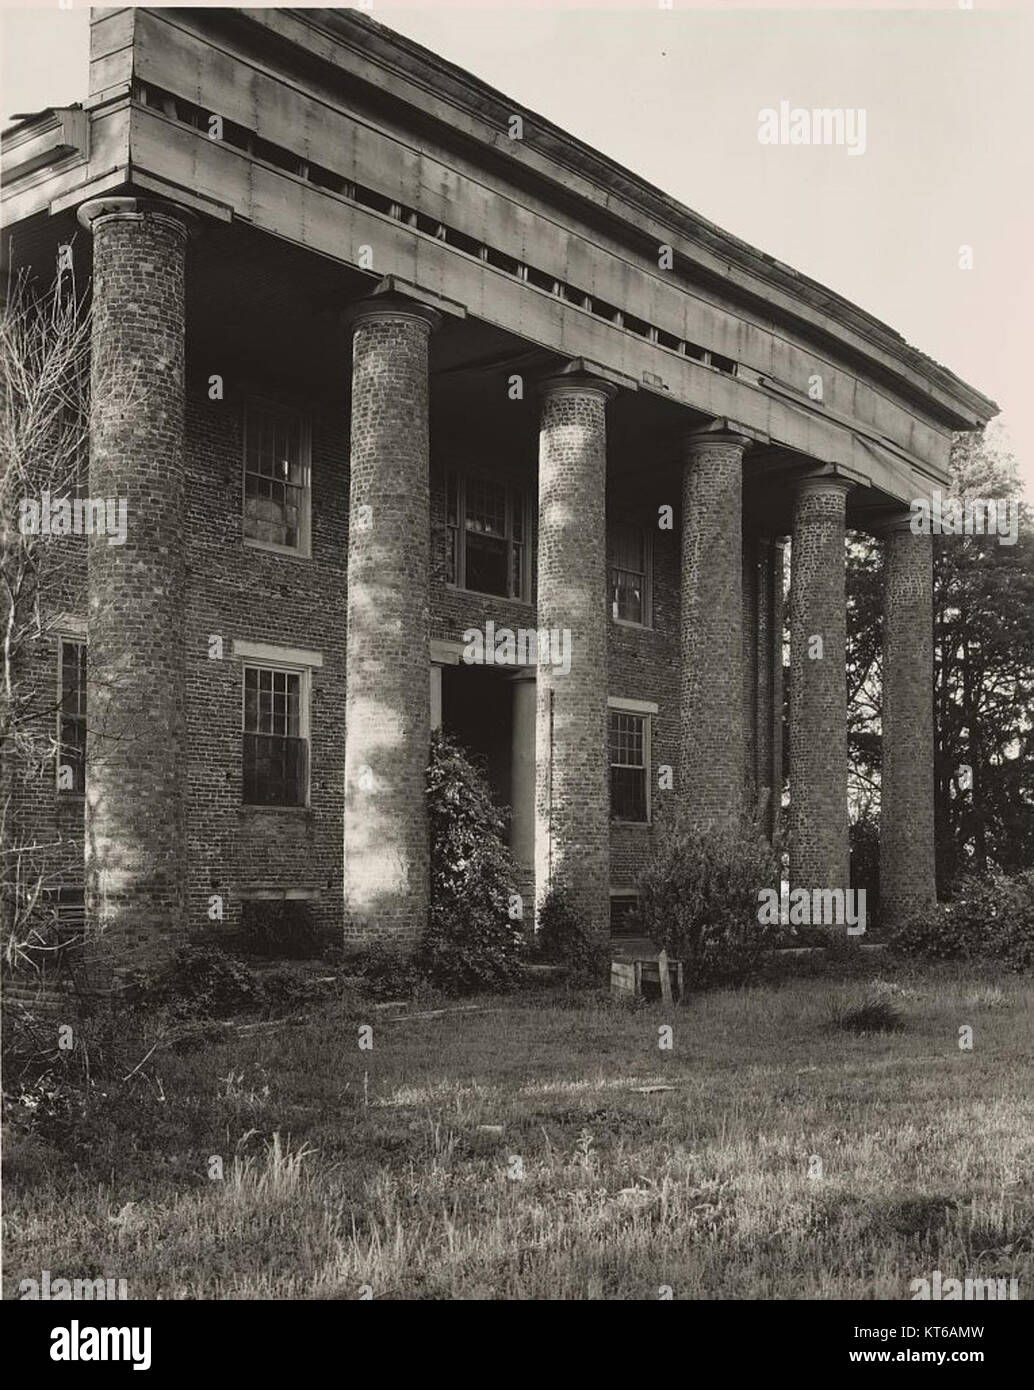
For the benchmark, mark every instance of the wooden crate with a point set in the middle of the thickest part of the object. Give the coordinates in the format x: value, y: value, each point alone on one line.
x: 628, y: 976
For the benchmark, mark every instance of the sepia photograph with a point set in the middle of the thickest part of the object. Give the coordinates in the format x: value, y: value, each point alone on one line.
x: 517, y: 671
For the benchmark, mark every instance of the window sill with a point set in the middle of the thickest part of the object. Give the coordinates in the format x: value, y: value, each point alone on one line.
x: 271, y: 548
x: 632, y: 824
x: 255, y: 809
x: 480, y: 593
x: 627, y: 622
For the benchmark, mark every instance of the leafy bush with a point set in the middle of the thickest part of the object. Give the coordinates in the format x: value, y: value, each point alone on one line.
x: 990, y: 918
x: 865, y: 863
x: 472, y: 941
x: 206, y: 981
x: 698, y: 900
x: 280, y: 927
x: 386, y: 972
x: 563, y: 937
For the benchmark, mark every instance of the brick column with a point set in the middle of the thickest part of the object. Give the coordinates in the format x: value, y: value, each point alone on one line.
x: 907, y: 861
x: 572, y: 792
x: 522, y: 785
x: 775, y: 662
x: 387, y: 703
x: 763, y: 646
x: 135, y: 844
x: 818, y: 687
x: 711, y: 743
x: 751, y: 590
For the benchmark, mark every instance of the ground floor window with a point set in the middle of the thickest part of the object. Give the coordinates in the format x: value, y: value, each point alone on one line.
x: 629, y: 760
x: 71, y: 738
x: 276, y: 743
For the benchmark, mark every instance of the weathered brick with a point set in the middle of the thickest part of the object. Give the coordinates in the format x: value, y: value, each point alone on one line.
x: 818, y: 687
x: 907, y: 869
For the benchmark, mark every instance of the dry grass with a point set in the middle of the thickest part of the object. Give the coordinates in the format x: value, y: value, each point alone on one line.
x: 512, y: 1155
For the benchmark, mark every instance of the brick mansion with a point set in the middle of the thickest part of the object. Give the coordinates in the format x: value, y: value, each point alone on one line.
x: 408, y: 364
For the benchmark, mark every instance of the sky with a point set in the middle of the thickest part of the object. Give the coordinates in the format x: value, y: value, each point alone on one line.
x: 675, y: 95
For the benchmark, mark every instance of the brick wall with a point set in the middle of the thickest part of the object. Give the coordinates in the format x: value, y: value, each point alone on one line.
x: 239, y: 592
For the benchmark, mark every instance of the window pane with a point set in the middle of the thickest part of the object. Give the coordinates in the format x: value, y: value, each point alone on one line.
x: 486, y: 508
x: 629, y: 546
x: 487, y: 565
x: 628, y: 770
x: 627, y: 596
x: 72, y: 720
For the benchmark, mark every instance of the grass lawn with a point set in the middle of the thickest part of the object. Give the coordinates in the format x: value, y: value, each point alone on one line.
x: 513, y: 1154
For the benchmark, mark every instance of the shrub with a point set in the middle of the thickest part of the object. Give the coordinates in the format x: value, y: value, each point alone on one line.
x: 698, y: 900
x: 990, y: 918
x: 472, y: 942
x: 564, y: 938
x: 386, y: 972
x: 206, y: 981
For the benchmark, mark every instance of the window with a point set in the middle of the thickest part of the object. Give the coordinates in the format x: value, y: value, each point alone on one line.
x: 276, y: 478
x: 276, y: 741
x: 488, y: 530
x: 629, y: 760
x: 71, y: 737
x: 629, y: 576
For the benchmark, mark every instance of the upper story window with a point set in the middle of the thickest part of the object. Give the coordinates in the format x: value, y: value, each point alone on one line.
x: 276, y: 736
x: 71, y: 736
x: 488, y: 537
x: 276, y: 478
x: 630, y: 575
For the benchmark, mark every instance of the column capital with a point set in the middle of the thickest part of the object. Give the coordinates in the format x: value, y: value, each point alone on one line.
x: 822, y: 482
x: 695, y: 441
x: 91, y: 214
x: 576, y: 384
x: 391, y: 306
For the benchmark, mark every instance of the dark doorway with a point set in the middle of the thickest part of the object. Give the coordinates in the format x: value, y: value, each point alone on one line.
x: 477, y: 711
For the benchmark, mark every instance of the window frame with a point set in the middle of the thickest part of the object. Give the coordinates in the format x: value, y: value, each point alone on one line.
x: 516, y: 497
x: 647, y: 573
x: 646, y: 711
x: 252, y: 403
x: 304, y: 674
x: 75, y: 640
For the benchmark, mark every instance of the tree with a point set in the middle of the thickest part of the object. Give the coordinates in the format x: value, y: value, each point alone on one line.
x: 44, y: 414
x: 983, y: 677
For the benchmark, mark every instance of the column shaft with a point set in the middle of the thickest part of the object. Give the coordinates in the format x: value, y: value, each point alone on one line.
x: 751, y: 583
x: 907, y: 861
x: 818, y: 688
x: 775, y: 663
x: 572, y: 794
x: 711, y: 745
x: 135, y: 781
x: 522, y: 786
x: 387, y: 710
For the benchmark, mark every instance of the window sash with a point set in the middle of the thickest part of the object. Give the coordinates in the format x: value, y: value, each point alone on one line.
x: 274, y: 736
x: 476, y: 526
x: 630, y: 576
x: 277, y: 487
x: 71, y: 719
x: 629, y: 755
